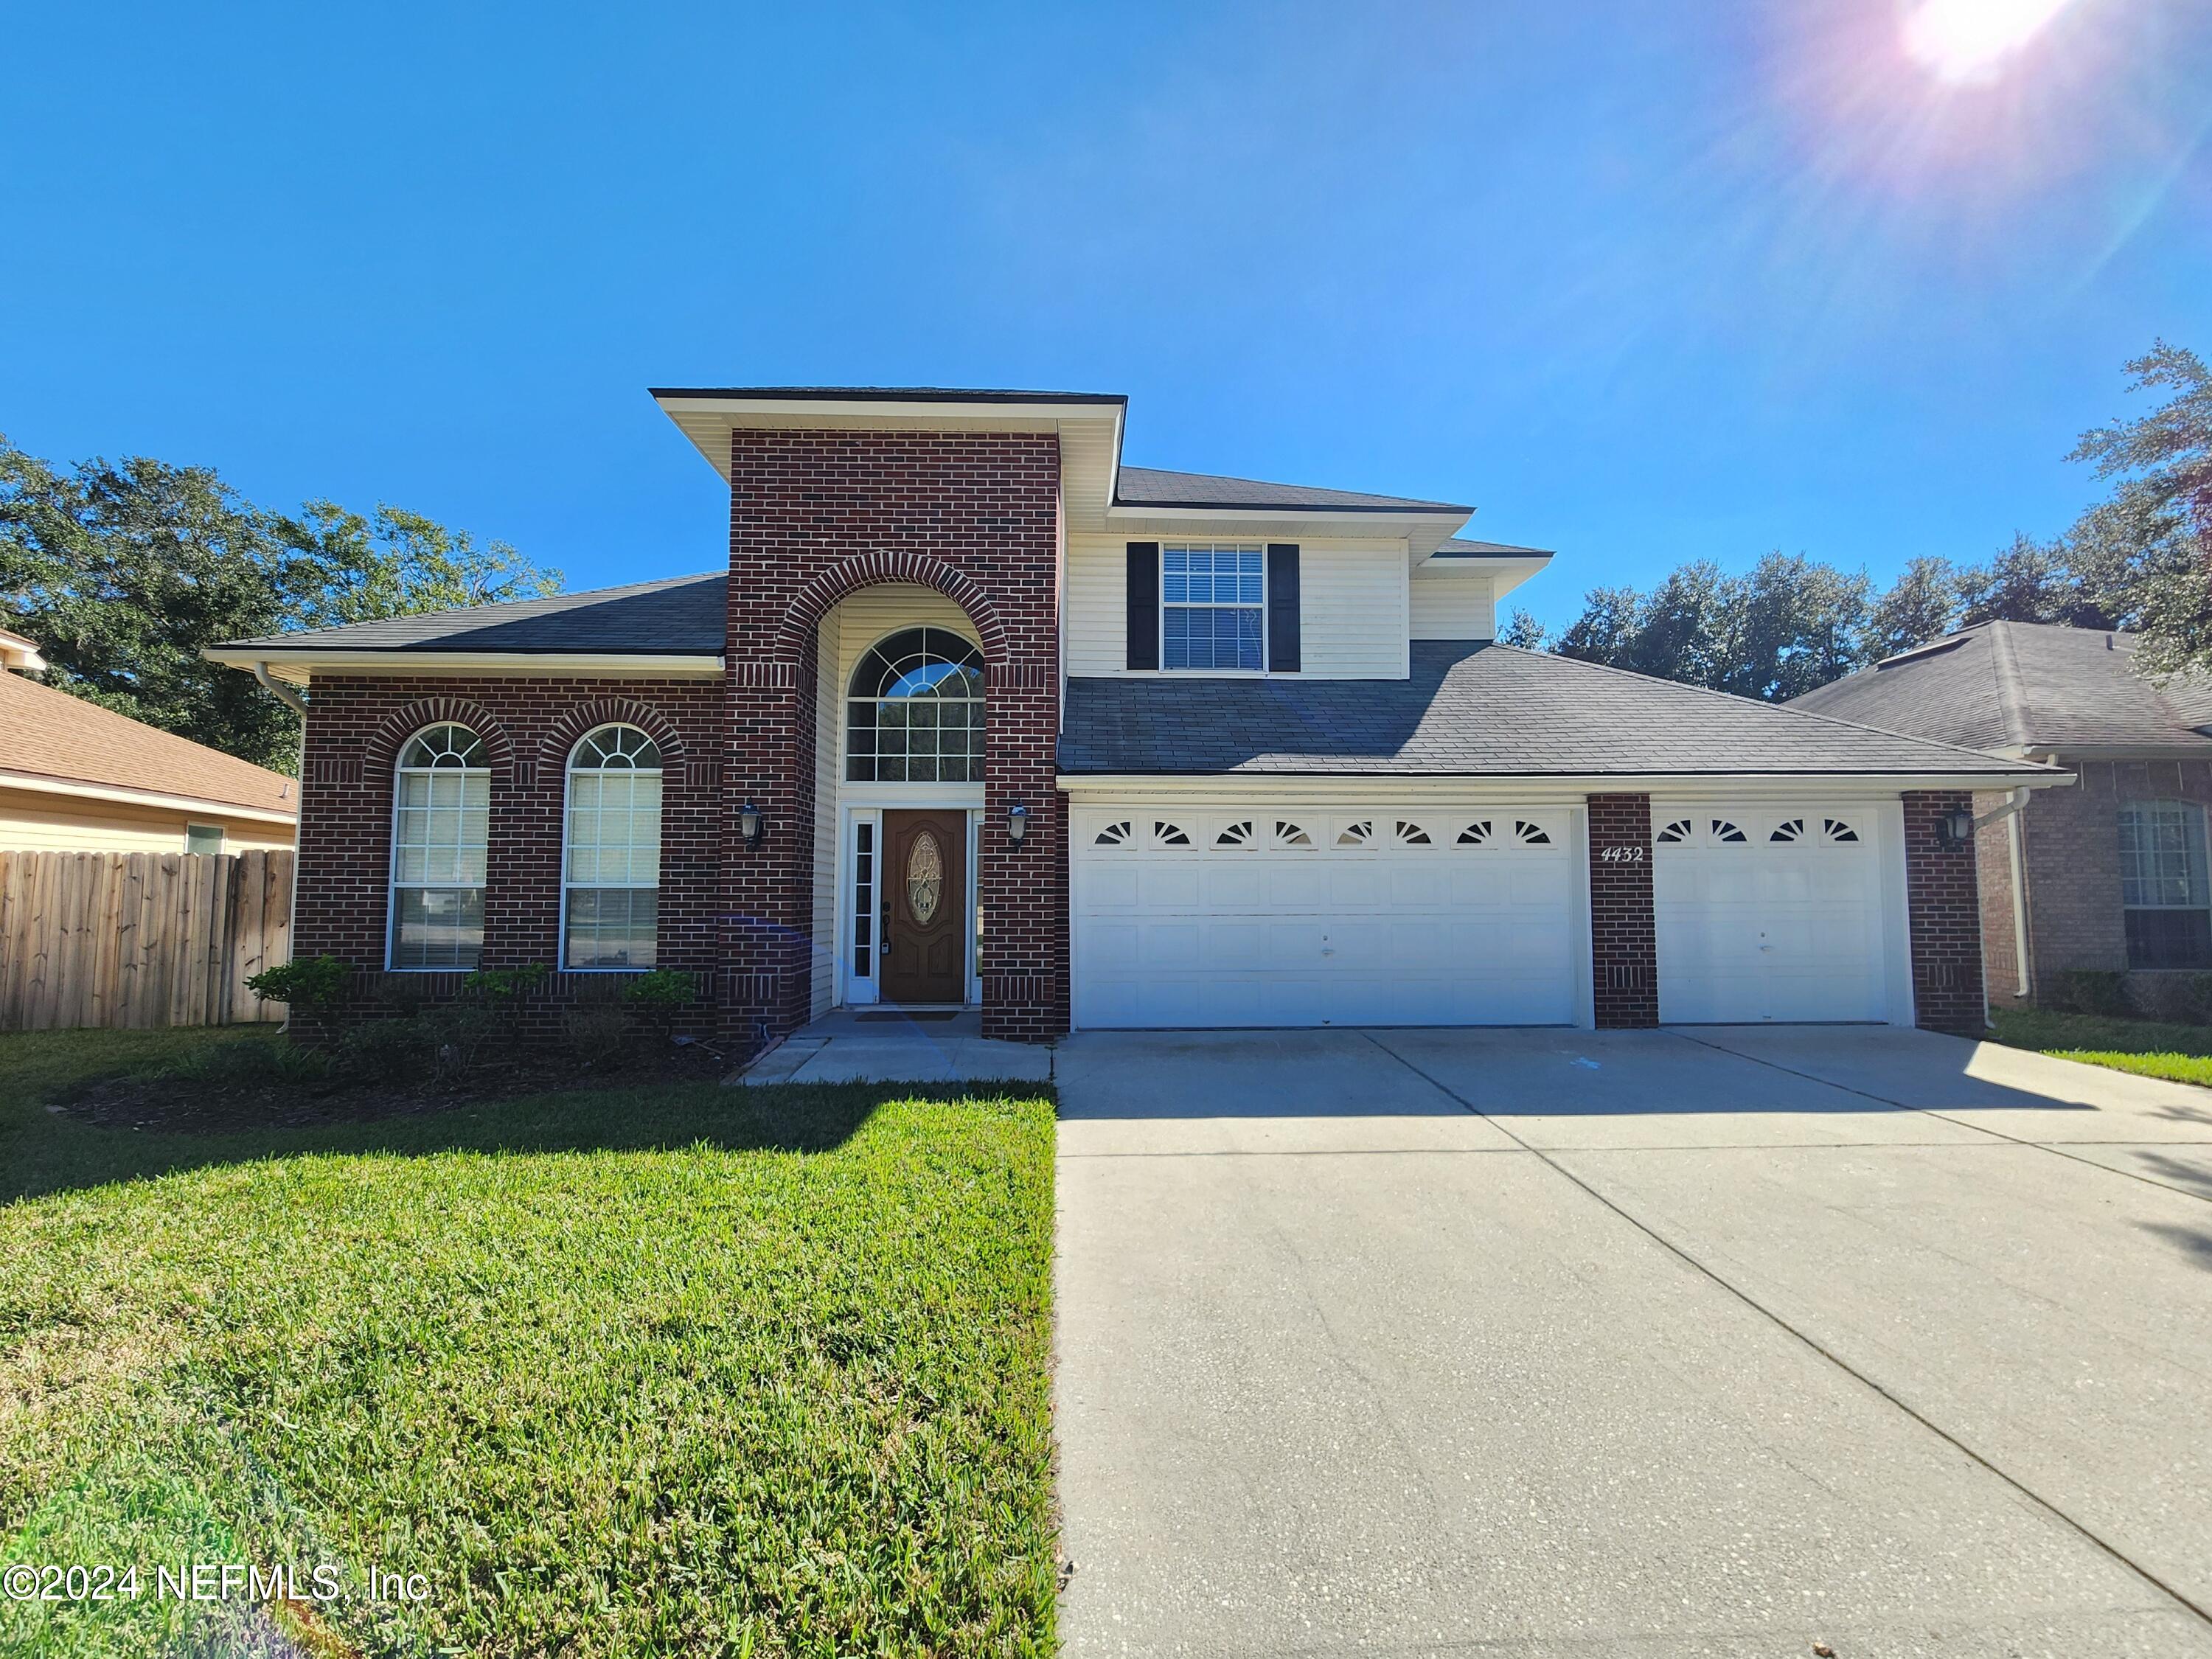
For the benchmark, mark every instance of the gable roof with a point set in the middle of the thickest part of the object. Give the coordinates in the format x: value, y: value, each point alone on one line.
x: 54, y: 736
x: 1147, y: 486
x: 2027, y: 688
x: 681, y: 615
x: 1471, y: 708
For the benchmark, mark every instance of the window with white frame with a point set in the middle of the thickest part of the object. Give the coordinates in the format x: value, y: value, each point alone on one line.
x: 1213, y: 611
x: 611, y: 900
x: 2164, y: 891
x: 441, y: 815
x: 913, y: 713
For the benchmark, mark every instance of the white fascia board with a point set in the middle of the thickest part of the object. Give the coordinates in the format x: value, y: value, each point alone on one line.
x: 296, y: 667
x: 1339, y: 786
x: 154, y: 798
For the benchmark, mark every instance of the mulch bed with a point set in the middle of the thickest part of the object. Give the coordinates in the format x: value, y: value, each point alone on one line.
x: 161, y: 1104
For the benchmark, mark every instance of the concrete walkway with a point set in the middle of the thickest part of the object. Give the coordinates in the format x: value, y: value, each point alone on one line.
x: 880, y: 1046
x: 1558, y: 1343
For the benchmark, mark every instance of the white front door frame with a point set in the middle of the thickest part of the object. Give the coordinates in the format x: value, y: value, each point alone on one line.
x: 867, y: 803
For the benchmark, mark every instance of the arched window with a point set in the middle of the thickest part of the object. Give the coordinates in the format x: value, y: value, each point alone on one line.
x: 611, y: 891
x: 441, y: 814
x: 914, y: 711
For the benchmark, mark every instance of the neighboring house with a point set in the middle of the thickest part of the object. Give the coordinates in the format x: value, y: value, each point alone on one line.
x: 75, y: 777
x: 2110, y: 875
x: 976, y: 714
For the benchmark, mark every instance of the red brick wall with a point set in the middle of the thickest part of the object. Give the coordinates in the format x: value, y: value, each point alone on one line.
x: 1945, y: 907
x: 813, y: 517
x: 1624, y: 933
x: 355, y: 729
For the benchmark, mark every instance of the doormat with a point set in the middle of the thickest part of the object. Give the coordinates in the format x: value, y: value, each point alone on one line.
x: 899, y: 1014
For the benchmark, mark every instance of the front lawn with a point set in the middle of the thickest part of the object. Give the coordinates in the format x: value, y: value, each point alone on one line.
x: 2181, y: 1054
x: 673, y: 1370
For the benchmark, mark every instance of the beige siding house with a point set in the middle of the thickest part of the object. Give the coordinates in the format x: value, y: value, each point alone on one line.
x: 78, y: 778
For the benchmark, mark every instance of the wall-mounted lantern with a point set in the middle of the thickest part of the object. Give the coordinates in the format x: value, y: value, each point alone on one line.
x: 1955, y: 829
x: 1017, y: 822
x: 748, y: 825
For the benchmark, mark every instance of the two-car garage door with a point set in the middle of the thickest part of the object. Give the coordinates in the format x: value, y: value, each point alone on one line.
x: 1285, y: 916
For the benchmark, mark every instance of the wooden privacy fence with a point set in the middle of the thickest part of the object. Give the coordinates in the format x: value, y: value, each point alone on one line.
x: 140, y: 939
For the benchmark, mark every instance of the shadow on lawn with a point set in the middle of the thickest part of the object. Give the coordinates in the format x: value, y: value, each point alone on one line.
x: 42, y: 1153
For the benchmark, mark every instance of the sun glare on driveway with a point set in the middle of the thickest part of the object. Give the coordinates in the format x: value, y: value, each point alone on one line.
x: 1969, y: 40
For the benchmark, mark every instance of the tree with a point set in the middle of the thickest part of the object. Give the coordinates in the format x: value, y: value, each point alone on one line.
x: 2142, y: 555
x: 1523, y: 631
x: 1797, y: 625
x: 1685, y: 628
x: 125, y: 571
x: 1921, y: 605
x: 1601, y: 633
x: 2030, y: 581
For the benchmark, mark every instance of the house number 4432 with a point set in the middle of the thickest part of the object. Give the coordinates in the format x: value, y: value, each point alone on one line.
x: 1621, y: 855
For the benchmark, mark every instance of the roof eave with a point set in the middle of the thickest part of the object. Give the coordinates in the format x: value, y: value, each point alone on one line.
x: 296, y: 665
x: 1884, y: 780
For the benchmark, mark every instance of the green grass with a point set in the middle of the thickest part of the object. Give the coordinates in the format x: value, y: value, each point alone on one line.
x: 687, y: 1370
x: 2181, y: 1054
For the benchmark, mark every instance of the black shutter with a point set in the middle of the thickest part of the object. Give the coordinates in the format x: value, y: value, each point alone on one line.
x: 1282, y: 607
x: 1144, y: 604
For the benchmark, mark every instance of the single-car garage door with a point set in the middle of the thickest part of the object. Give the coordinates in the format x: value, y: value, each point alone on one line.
x: 1768, y: 913
x: 1276, y: 916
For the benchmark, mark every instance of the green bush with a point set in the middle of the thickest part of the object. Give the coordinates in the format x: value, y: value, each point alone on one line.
x: 384, y: 1051
x: 595, y: 1033
x: 317, y: 982
x: 2093, y: 991
x: 256, y: 1062
x: 657, y: 1000
x: 2173, y: 999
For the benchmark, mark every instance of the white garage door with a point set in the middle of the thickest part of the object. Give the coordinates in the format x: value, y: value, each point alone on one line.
x: 1277, y: 916
x: 1768, y: 913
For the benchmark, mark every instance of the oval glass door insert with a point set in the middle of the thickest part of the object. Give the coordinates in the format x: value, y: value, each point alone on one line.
x: 925, y: 876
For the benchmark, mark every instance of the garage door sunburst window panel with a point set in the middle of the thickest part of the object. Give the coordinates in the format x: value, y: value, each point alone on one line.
x: 1212, y: 607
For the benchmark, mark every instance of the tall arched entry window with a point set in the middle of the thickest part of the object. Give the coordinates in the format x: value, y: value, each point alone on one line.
x: 914, y: 711
x: 610, y: 887
x: 442, y: 815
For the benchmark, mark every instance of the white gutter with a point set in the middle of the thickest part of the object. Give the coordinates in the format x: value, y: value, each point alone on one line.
x: 1339, y: 786
x: 283, y: 694
x: 296, y: 666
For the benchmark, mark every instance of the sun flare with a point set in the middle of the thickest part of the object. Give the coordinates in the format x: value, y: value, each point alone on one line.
x: 1968, y: 39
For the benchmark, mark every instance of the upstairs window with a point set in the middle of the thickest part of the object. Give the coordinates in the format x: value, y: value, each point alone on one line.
x: 1213, y: 606
x: 610, y: 898
x: 2163, y: 887
x: 441, y: 817
x: 913, y: 713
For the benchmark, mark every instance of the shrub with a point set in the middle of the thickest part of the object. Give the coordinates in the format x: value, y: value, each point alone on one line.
x: 657, y: 1000
x: 2093, y: 991
x: 315, y: 982
x: 384, y: 1051
x: 454, y: 1038
x: 2172, y: 999
x: 258, y: 1062
x: 505, y: 989
x: 596, y: 1034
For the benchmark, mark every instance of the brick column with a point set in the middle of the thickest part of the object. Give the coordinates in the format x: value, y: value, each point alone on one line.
x: 1624, y: 933
x: 1944, y: 903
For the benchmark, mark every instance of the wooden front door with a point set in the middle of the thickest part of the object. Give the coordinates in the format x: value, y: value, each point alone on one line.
x: 925, y: 906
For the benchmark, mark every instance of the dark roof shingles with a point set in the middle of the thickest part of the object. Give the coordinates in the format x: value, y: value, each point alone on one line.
x: 2023, y: 685
x: 684, y: 615
x: 1472, y: 709
x: 1145, y: 486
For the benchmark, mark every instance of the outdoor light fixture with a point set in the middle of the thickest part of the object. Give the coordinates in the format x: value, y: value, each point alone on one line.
x: 1957, y: 827
x: 749, y: 825
x: 1017, y: 822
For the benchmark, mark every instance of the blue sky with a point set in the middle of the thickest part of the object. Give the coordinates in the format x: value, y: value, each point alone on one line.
x: 1645, y: 280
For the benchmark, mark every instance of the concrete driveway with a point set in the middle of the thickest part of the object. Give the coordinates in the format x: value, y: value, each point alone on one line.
x: 1709, y: 1342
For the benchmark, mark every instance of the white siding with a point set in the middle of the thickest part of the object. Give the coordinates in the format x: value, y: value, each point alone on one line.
x: 1352, y: 607
x: 828, y: 728
x: 1453, y: 607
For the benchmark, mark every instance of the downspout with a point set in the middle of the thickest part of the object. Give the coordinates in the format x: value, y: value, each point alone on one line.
x: 292, y: 700
x: 2016, y: 856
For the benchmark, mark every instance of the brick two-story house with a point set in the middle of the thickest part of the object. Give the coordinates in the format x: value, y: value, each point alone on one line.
x: 976, y: 714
